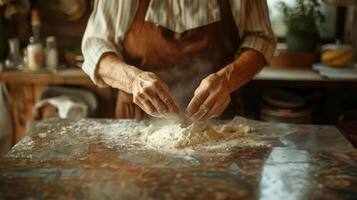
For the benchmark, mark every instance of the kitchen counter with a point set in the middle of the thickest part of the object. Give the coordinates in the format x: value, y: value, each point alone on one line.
x: 95, y: 159
x: 299, y: 77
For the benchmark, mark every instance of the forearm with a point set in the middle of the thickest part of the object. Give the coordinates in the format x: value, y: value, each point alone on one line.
x: 116, y: 73
x: 243, y: 69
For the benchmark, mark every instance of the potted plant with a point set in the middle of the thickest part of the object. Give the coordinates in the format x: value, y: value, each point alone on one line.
x: 301, y: 21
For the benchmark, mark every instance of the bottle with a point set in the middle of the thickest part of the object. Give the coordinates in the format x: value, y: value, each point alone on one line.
x: 14, y: 60
x: 25, y: 58
x: 35, y: 54
x: 51, y: 53
x: 36, y: 25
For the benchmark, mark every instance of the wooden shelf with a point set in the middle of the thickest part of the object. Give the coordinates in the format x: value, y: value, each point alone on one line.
x: 65, y: 76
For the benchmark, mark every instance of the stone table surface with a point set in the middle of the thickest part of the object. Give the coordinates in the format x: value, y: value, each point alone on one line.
x: 96, y: 159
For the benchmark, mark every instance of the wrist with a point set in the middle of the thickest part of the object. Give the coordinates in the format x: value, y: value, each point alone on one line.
x: 117, y: 73
x: 129, y: 75
x: 226, y: 74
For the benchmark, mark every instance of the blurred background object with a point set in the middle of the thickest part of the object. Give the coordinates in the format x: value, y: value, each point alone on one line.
x: 13, y: 23
x: 284, y: 106
x: 5, y: 122
x: 14, y: 59
x: 284, y: 58
x: 350, y: 36
x: 65, y: 103
x: 66, y: 21
x: 337, y: 55
x: 301, y: 21
x: 348, y: 124
x: 51, y: 53
x: 341, y: 2
x: 72, y: 9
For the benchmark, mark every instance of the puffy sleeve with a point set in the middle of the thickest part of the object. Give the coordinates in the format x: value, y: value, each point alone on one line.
x: 253, y: 23
x: 106, y: 28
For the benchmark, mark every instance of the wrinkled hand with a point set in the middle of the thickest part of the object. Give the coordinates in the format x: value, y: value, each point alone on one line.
x: 152, y: 95
x: 210, y: 99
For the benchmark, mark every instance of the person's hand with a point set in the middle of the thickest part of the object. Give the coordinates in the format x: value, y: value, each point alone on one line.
x: 152, y: 95
x: 210, y: 99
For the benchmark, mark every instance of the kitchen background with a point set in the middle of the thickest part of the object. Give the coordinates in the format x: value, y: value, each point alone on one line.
x: 312, y: 78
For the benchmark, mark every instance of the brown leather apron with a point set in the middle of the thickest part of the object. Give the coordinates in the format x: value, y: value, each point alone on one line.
x: 181, y: 60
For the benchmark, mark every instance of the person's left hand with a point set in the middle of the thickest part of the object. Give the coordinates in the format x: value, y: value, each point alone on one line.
x: 210, y: 99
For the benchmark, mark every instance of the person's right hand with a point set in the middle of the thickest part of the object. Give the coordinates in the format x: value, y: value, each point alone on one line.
x: 152, y: 95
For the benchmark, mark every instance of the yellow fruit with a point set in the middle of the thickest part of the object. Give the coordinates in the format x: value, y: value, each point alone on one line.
x: 342, y: 61
x: 330, y: 55
x: 337, y: 58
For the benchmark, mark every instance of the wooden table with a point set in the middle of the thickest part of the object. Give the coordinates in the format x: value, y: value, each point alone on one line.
x: 94, y: 159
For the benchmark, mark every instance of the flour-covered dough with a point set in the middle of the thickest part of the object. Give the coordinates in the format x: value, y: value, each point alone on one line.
x: 176, y: 136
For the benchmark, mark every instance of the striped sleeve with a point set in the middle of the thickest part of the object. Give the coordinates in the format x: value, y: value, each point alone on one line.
x: 257, y: 33
x: 104, y: 33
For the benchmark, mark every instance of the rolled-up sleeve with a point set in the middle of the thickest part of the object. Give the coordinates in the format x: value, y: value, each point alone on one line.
x: 105, y: 31
x: 253, y: 23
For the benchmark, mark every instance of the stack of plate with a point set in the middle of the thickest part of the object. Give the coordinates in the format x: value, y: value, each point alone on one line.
x: 284, y: 106
x: 336, y: 73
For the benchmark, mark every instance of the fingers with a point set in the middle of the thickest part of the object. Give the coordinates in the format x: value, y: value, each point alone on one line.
x: 210, y: 100
x: 196, y: 102
x: 172, y: 108
x: 153, y: 105
x: 206, y: 106
x: 152, y: 95
x: 217, y: 109
x: 146, y: 105
x: 156, y: 102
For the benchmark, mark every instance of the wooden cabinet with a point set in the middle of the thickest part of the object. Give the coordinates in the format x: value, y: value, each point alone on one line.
x: 26, y: 89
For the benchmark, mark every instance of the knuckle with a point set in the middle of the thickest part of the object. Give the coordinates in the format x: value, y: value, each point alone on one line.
x: 156, y: 82
x: 199, y: 94
x: 204, y: 106
x: 150, y: 110
x: 167, y: 100
x: 138, y: 96
x: 160, y: 108
x: 196, y: 100
x: 150, y: 84
x: 207, y: 82
x: 145, y: 90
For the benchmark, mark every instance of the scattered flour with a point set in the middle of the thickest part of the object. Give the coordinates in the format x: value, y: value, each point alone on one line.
x: 42, y: 135
x: 176, y: 136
